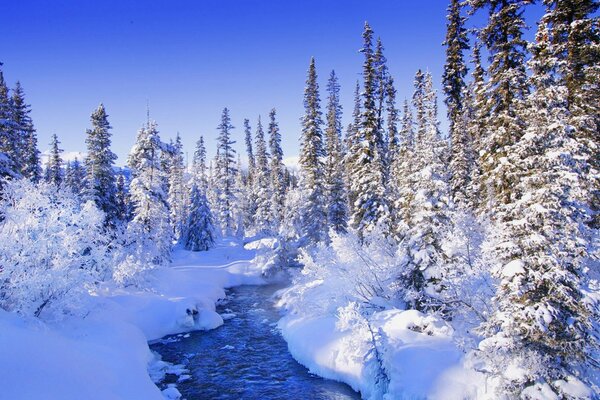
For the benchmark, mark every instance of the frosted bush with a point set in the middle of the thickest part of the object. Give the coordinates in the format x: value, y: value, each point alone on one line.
x: 52, y: 249
x: 345, y: 272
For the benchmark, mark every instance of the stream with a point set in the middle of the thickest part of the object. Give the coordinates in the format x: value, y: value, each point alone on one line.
x: 246, y: 358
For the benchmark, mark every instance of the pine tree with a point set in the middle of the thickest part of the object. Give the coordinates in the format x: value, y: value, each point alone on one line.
x: 538, y: 247
x: 75, y: 177
x: 368, y: 163
x: 54, y: 170
x: 200, y: 230
x: 351, y: 142
x: 176, y: 194
x: 392, y: 119
x: 381, y: 80
x: 262, y: 187
x: 123, y: 203
x: 506, y: 91
x: 427, y: 209
x: 8, y: 144
x: 337, y: 210
x: 466, y: 175
x: 99, y: 162
x: 29, y: 166
x: 401, y: 173
x: 455, y: 71
x: 149, y: 232
x: 249, y: 150
x: 277, y: 170
x: 574, y: 33
x: 313, y: 213
x: 199, y: 169
x: 225, y: 175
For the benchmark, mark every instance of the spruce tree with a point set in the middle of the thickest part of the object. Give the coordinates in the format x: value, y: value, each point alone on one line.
x: 381, y: 80
x: 262, y: 186
x: 542, y: 321
x: 313, y: 212
x: 200, y: 231
x: 54, y: 170
x: 75, y: 177
x: 100, y: 177
x: 123, y: 203
x: 177, y: 193
x: 149, y: 231
x: 337, y: 209
x: 249, y: 150
x: 401, y: 174
x: 277, y: 170
x: 350, y: 143
x: 392, y: 119
x: 455, y: 68
x: 574, y: 33
x: 455, y: 71
x: 506, y: 91
x: 9, y: 167
x: 427, y: 209
x: 29, y: 165
x: 225, y: 175
x: 368, y: 162
x: 199, y: 169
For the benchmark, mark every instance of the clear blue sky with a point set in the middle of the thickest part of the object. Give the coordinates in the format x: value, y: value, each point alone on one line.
x: 191, y: 58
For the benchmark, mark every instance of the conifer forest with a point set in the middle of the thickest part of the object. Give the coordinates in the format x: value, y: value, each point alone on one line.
x: 437, y: 240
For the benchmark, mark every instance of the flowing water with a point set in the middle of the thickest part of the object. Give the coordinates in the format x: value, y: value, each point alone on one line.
x: 246, y: 358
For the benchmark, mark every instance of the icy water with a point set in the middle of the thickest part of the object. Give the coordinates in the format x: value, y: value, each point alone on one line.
x: 246, y: 358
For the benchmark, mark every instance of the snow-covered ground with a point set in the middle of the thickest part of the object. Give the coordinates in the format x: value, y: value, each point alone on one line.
x: 105, y: 355
x: 418, y: 353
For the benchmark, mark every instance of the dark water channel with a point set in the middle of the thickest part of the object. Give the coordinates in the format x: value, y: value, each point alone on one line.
x: 246, y: 358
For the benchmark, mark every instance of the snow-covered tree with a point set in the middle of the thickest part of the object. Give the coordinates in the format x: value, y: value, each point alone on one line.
x: 75, y: 177
x: 199, y: 232
x: 249, y: 149
x: 543, y: 320
x: 177, y: 193
x: 29, y: 163
x: 401, y: 174
x: 392, y: 120
x: 123, y: 203
x: 455, y: 71
x: 574, y: 33
x: 199, y: 168
x: 313, y: 212
x: 9, y: 149
x: 367, y: 161
x: 261, y: 182
x: 62, y: 249
x: 100, y: 177
x: 277, y: 170
x: 506, y: 91
x: 336, y: 200
x: 350, y: 142
x: 54, y: 169
x: 149, y: 232
x: 428, y: 208
x: 225, y: 172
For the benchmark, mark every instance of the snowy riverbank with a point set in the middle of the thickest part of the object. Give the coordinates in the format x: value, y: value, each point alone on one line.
x: 105, y: 355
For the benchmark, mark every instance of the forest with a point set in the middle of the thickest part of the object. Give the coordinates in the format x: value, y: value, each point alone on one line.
x: 476, y: 248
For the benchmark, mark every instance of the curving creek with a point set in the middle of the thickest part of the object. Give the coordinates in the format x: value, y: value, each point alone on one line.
x: 245, y: 358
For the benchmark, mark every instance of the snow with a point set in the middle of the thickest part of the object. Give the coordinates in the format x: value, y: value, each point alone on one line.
x: 105, y: 355
x: 513, y: 268
x: 418, y: 353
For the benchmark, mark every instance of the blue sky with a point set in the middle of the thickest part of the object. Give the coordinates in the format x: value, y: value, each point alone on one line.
x: 189, y: 59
